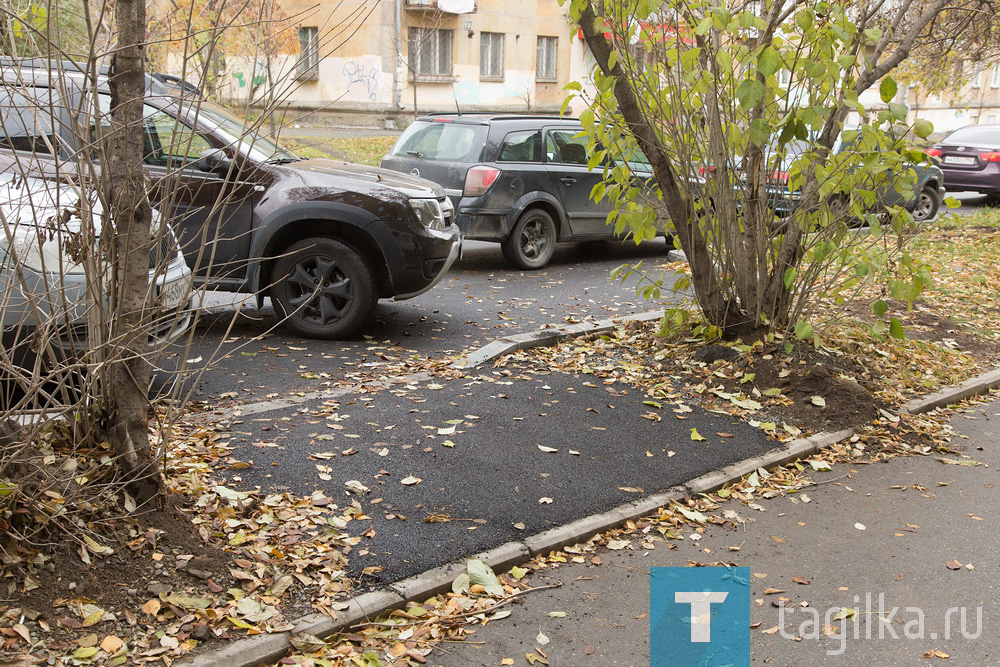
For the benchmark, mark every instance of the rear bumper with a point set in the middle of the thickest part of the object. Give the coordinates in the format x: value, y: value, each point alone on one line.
x: 483, y: 224
x: 986, y: 180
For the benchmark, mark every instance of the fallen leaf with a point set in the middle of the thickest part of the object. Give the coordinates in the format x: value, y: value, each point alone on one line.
x: 547, y: 450
x: 773, y: 591
x: 410, y: 481
x: 936, y: 654
x: 557, y: 614
x: 953, y: 565
x: 696, y: 436
x: 541, y: 638
x: 632, y: 489
x: 819, y: 401
x: 801, y: 581
x: 354, y: 486
x: 111, y: 644
x: 859, y: 526
x: 770, y: 631
x: 545, y: 501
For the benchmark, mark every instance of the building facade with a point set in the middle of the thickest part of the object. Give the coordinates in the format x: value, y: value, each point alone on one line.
x: 976, y: 102
x: 386, y: 58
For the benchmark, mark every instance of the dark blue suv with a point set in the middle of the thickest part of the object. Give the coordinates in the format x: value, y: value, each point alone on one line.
x: 522, y: 181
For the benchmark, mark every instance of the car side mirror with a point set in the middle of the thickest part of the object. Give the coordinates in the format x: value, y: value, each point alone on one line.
x: 214, y: 161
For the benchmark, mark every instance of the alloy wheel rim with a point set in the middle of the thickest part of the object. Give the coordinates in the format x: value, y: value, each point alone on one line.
x: 319, y: 292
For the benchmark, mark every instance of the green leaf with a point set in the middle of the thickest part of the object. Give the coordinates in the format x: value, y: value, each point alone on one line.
x: 923, y: 128
x: 653, y: 404
x: 482, y: 574
x: 6, y: 488
x: 896, y: 329
x: 790, y: 274
x: 518, y: 572
x: 820, y: 466
x: 750, y: 93
x: 696, y: 436
x: 887, y: 89
x: 773, y: 391
x: 760, y: 131
x: 803, y: 331
x: 879, y: 308
x: 769, y: 61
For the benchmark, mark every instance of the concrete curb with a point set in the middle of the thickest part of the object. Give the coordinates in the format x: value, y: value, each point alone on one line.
x: 267, y: 649
x: 546, y: 337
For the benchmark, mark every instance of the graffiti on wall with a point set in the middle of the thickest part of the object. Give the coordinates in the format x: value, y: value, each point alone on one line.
x: 358, y: 75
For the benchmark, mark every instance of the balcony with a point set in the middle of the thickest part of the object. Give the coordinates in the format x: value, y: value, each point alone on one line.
x: 442, y: 6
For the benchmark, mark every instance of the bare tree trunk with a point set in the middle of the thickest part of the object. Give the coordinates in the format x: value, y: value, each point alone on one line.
x: 128, y: 387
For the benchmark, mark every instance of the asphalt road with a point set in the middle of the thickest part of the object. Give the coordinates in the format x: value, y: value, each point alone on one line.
x: 474, y: 444
x: 479, y: 300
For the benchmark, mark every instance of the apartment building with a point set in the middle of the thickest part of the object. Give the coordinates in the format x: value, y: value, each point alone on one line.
x: 976, y: 102
x: 379, y: 59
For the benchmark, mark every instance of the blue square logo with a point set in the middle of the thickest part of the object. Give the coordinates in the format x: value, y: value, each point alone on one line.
x: 699, y: 616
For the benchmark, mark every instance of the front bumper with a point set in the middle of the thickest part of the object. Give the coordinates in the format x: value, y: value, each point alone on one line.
x: 437, y: 268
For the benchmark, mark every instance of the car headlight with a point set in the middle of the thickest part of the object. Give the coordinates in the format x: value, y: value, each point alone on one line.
x: 41, y: 250
x: 428, y: 212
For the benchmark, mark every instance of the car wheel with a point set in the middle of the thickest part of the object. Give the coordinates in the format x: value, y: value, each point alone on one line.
x: 323, y: 288
x: 532, y: 241
x: 927, y: 204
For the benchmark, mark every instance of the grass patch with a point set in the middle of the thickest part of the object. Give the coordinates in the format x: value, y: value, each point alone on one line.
x: 362, y: 150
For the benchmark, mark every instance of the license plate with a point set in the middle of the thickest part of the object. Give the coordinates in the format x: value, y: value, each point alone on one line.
x: 954, y: 159
x: 174, y: 293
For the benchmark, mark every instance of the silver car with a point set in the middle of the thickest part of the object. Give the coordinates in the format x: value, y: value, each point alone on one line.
x: 42, y: 278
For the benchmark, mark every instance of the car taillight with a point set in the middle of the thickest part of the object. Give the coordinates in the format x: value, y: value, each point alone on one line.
x: 933, y: 152
x: 780, y: 176
x: 479, y: 179
x: 992, y: 156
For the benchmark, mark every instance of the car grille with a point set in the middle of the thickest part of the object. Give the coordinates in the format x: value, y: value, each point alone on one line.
x: 164, y: 249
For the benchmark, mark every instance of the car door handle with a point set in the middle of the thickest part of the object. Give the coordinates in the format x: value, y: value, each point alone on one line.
x: 568, y: 180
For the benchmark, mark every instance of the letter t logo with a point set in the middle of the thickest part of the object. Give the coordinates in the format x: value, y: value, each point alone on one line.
x: 701, y: 611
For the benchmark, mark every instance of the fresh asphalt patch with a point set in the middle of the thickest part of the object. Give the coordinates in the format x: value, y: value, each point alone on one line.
x: 475, y: 445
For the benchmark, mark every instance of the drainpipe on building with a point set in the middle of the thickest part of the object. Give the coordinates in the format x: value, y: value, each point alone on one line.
x: 397, y: 77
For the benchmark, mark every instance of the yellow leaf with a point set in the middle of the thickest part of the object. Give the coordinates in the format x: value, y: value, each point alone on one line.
x: 696, y: 436
x: 152, y: 607
x: 111, y: 644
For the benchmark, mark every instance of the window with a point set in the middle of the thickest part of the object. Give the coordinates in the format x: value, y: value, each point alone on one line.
x: 432, y: 140
x: 545, y: 61
x: 26, y: 121
x: 976, y: 74
x: 521, y: 147
x: 308, y: 52
x: 995, y: 76
x: 430, y: 52
x: 784, y: 77
x: 168, y: 142
x: 491, y: 55
x: 565, y: 147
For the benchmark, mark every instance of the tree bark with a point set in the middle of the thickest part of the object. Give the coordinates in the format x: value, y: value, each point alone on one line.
x: 719, y: 310
x: 127, y: 387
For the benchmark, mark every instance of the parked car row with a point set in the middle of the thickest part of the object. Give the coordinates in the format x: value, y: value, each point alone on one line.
x: 327, y: 239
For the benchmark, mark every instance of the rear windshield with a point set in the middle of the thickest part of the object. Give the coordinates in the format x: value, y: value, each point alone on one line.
x: 979, y: 136
x: 435, y: 140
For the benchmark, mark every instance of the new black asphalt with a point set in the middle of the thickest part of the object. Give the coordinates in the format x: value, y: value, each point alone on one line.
x: 488, y: 482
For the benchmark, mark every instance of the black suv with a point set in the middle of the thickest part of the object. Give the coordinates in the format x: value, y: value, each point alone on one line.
x: 519, y: 180
x: 325, y: 239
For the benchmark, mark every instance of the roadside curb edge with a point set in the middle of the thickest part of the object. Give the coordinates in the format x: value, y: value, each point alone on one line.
x: 266, y: 649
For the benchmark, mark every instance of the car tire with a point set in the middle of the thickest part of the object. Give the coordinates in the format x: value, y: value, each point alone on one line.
x: 531, y: 242
x: 927, y: 204
x: 323, y: 288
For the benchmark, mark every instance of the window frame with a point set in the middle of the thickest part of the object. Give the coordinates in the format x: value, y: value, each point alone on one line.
x: 486, y: 48
x: 307, y: 67
x: 995, y: 76
x: 550, y: 61
x: 415, y: 56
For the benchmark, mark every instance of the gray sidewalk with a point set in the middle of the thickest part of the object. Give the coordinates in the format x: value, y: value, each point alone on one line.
x: 945, y: 513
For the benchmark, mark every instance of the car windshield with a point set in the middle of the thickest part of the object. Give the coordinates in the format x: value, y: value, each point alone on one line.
x: 441, y: 140
x: 975, y: 136
x: 235, y: 131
